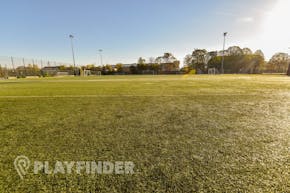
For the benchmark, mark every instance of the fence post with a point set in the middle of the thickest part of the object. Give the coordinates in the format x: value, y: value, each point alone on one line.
x: 23, y: 60
x: 6, y: 72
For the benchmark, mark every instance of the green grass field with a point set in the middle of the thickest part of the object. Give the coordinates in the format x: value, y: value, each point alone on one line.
x: 226, y: 133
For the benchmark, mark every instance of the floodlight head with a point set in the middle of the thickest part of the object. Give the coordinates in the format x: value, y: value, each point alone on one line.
x: 71, y: 36
x: 225, y: 33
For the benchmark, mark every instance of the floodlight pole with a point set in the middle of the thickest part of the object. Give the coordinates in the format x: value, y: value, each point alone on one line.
x: 223, y: 57
x: 73, y: 53
x: 12, y: 62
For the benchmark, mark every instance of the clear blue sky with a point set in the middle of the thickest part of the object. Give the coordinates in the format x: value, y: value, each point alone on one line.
x: 128, y: 29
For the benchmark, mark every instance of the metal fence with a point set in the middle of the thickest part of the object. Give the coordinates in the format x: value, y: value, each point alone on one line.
x: 16, y: 66
x: 14, y: 62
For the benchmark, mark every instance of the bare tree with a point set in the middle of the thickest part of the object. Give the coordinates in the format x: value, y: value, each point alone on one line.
x: 188, y: 60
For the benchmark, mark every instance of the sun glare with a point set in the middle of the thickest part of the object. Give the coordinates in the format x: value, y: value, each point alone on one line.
x: 276, y: 28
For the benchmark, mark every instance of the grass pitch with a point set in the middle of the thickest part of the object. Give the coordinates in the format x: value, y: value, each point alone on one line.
x: 226, y: 133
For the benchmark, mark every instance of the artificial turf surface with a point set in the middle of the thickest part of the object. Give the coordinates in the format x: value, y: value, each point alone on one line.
x: 226, y: 133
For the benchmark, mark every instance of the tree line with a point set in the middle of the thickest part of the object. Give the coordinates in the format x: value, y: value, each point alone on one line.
x: 200, y: 61
x: 236, y: 60
x: 165, y: 64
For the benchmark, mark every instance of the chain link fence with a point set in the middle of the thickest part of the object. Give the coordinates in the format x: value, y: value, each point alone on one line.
x: 23, y: 67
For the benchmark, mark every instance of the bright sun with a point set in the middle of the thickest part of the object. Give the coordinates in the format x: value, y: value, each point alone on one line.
x: 276, y: 28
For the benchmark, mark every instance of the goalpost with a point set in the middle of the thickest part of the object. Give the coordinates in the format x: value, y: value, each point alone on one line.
x: 87, y: 72
x: 99, y: 73
x: 212, y: 71
x: 90, y: 73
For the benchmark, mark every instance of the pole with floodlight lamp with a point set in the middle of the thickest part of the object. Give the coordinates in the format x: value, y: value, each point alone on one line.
x: 223, y: 57
x: 73, y: 53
